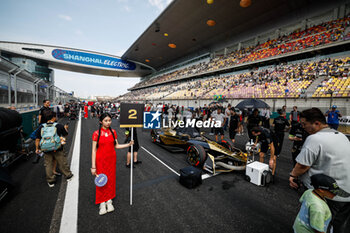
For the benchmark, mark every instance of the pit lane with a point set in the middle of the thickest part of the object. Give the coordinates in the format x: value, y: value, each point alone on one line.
x: 223, y: 203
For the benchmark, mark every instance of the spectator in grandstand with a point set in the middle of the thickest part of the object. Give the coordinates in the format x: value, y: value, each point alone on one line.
x: 253, y: 120
x: 53, y: 155
x: 294, y: 115
x: 264, y: 137
x: 279, y: 123
x: 234, y: 124
x: 323, y: 152
x: 219, y: 117
x: 333, y: 117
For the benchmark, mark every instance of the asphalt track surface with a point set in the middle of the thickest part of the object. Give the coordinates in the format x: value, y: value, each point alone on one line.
x: 223, y: 203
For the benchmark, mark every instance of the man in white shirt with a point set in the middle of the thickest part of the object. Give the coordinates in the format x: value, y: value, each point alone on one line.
x: 170, y: 112
x: 160, y: 108
x: 325, y: 151
x: 218, y: 116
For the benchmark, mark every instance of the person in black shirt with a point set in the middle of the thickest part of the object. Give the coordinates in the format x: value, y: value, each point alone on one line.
x: 294, y: 115
x: 66, y: 110
x: 92, y: 111
x: 135, y: 149
x: 298, y: 135
x: 264, y: 137
x: 234, y: 124
x: 43, y: 112
x: 42, y: 119
x: 253, y: 121
x: 279, y: 125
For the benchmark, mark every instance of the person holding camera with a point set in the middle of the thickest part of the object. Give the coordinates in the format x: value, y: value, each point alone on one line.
x: 298, y: 135
x: 264, y: 137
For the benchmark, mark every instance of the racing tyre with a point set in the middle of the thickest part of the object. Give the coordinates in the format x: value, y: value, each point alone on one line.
x: 228, y: 145
x: 196, y: 156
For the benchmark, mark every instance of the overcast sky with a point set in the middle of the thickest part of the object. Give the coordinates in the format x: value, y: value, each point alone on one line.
x: 108, y: 26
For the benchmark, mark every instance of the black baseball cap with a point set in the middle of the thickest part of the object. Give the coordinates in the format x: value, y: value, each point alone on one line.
x: 321, y: 181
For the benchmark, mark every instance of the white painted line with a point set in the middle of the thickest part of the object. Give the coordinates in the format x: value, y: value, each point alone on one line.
x: 69, y: 220
x: 160, y: 161
x: 206, y: 176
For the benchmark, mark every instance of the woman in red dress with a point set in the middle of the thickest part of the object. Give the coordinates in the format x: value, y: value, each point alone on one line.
x: 104, y: 158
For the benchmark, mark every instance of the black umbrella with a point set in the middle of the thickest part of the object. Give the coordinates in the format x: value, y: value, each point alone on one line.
x: 215, y: 102
x: 252, y: 103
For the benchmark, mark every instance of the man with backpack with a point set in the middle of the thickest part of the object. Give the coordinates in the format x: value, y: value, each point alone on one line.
x: 50, y: 140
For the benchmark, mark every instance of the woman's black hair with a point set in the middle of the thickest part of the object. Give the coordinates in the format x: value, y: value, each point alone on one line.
x: 103, y: 116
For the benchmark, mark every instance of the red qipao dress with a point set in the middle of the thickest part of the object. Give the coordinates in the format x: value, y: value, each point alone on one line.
x: 106, y: 162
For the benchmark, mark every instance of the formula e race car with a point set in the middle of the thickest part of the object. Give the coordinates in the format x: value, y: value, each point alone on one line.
x: 201, y: 151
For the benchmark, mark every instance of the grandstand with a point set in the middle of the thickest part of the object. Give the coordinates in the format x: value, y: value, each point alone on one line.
x: 305, y: 59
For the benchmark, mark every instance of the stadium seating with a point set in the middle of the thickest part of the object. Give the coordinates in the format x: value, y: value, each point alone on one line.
x: 281, y: 81
x: 325, y: 33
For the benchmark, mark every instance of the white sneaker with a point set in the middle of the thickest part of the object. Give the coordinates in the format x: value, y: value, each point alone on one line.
x: 103, y: 209
x: 110, y: 207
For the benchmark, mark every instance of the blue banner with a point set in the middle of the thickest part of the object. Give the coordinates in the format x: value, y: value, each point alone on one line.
x: 92, y: 59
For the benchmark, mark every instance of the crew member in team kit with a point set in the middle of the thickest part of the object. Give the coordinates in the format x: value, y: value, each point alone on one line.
x: 264, y: 137
x: 253, y: 120
x: 279, y: 125
x: 104, y: 158
x: 234, y: 124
